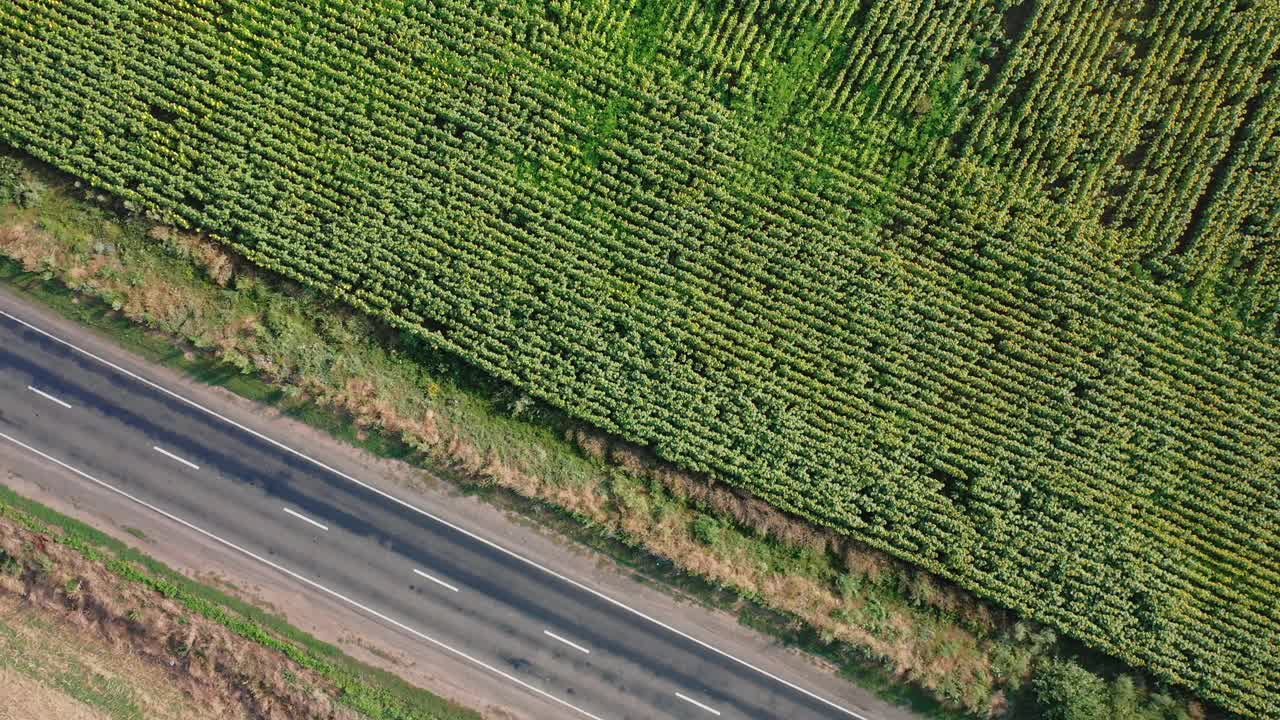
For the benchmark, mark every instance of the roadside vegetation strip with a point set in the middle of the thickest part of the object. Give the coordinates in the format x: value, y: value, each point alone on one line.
x: 360, y: 688
x: 223, y: 322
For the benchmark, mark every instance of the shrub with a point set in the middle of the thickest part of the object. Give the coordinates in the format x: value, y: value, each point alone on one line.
x: 1067, y: 691
x: 708, y: 530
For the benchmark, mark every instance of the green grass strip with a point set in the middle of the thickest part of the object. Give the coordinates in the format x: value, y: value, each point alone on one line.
x: 378, y: 694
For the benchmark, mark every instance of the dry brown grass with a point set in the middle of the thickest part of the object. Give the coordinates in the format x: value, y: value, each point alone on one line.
x: 46, y: 662
x: 224, y: 675
x: 219, y: 263
x: 22, y: 698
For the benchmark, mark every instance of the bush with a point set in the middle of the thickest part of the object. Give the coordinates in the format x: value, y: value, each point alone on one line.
x: 9, y: 179
x: 708, y: 530
x: 18, y: 186
x: 1067, y: 691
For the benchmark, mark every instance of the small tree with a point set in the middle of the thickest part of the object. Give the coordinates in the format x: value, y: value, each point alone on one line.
x: 1067, y: 691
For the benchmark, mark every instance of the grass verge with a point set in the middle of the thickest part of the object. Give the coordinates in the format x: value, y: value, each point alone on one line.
x: 374, y: 693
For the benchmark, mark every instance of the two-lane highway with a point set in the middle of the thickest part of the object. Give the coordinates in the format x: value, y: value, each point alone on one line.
x: 459, y: 593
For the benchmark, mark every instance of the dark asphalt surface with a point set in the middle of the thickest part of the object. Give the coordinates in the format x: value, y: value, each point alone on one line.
x: 502, y: 610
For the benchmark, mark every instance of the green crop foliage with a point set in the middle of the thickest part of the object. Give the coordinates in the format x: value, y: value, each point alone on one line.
x: 989, y: 286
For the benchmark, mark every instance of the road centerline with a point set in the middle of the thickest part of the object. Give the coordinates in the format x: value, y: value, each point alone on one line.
x: 435, y: 580
x: 691, y: 701
x: 49, y: 397
x: 170, y: 455
x: 573, y: 645
x: 304, y: 518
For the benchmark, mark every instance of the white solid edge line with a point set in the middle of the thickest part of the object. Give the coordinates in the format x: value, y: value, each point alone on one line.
x: 304, y: 518
x: 573, y: 645
x: 442, y: 521
x: 47, y: 396
x: 168, y: 454
x: 435, y: 580
x: 690, y: 700
x: 301, y: 578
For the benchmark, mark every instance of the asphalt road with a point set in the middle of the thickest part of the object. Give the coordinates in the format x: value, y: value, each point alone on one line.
x: 590, y: 655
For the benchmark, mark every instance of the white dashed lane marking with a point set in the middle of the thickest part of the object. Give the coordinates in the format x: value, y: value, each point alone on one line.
x: 170, y: 455
x: 573, y: 645
x: 304, y: 518
x: 691, y: 701
x: 47, y: 396
x: 435, y: 580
